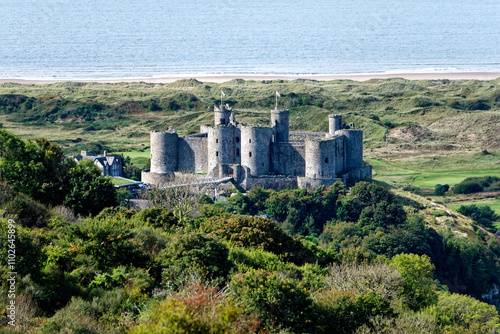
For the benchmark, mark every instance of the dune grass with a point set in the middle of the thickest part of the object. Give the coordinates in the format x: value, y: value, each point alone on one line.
x: 422, y: 132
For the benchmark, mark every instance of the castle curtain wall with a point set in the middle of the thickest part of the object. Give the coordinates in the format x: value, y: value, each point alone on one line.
x: 192, y: 154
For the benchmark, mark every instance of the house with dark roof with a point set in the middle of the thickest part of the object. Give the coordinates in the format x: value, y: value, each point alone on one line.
x: 110, y: 165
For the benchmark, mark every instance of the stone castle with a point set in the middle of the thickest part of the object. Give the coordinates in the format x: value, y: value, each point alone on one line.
x: 260, y: 155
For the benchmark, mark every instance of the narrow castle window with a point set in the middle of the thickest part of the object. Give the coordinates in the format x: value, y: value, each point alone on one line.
x: 216, y: 140
x: 326, y: 160
x: 217, y: 153
x: 237, y: 139
x: 250, y: 154
x: 237, y: 151
x: 250, y: 140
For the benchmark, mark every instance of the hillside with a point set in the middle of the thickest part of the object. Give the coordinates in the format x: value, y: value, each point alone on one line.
x: 396, y: 114
x: 373, y: 258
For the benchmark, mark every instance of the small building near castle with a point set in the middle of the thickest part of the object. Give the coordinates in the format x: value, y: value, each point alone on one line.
x: 110, y: 165
x: 261, y: 155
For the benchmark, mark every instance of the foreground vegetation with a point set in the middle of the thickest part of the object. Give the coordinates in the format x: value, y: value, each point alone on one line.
x: 382, y: 257
x: 330, y: 260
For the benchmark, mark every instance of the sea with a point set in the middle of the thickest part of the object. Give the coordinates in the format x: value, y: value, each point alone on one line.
x: 71, y: 39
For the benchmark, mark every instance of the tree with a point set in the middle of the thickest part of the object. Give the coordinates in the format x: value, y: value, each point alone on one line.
x: 89, y: 192
x: 180, y: 196
x: 464, y: 312
x: 417, y: 289
x: 279, y: 301
x: 441, y: 189
x: 36, y: 168
x: 195, y: 251
x: 484, y: 215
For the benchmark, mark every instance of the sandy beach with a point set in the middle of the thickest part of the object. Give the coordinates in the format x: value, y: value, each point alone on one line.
x: 227, y: 77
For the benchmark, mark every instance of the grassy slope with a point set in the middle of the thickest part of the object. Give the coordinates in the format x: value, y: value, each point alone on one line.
x: 423, y: 132
x: 420, y: 132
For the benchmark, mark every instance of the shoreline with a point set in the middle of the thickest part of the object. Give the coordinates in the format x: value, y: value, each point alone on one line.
x: 228, y: 77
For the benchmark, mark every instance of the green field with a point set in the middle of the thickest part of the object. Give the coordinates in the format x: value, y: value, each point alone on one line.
x: 493, y: 203
x: 428, y: 170
x: 138, y: 158
x: 118, y: 182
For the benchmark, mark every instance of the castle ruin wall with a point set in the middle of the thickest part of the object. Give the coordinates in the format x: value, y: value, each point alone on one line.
x: 289, y: 158
x: 354, y: 153
x: 192, y: 154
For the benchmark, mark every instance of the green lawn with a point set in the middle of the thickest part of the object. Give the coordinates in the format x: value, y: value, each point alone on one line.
x: 118, y: 182
x: 138, y: 157
x: 493, y: 203
x: 426, y: 175
x: 430, y: 179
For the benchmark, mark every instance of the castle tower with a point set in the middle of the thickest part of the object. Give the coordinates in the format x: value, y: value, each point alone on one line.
x: 163, y: 152
x: 222, y: 115
x: 335, y: 123
x: 280, y: 126
x: 221, y: 145
x: 321, y: 158
x: 255, y: 149
x: 354, y: 148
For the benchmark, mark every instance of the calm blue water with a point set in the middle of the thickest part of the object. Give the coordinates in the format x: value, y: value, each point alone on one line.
x: 138, y: 38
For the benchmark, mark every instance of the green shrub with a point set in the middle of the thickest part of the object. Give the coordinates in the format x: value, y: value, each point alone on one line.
x: 109, y: 242
x: 29, y: 257
x: 467, y: 188
x: 441, y: 189
x: 26, y: 211
x: 195, y: 251
x: 259, y: 233
x: 418, y: 287
x: 454, y: 311
x: 201, y: 310
x: 484, y: 215
x: 344, y: 311
x: 279, y: 301
x: 157, y: 217
x: 205, y: 199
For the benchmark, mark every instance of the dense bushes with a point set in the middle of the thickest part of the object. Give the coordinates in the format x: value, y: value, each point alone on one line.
x: 141, y: 272
x: 195, y: 251
x: 484, y: 215
x: 280, y: 301
x: 477, y: 184
x: 39, y: 170
x: 198, y: 309
x: 298, y: 211
x: 264, y: 234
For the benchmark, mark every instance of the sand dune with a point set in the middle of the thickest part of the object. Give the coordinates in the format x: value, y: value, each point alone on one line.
x: 227, y: 77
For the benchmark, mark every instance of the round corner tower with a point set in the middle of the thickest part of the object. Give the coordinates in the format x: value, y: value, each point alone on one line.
x: 222, y: 115
x: 220, y: 145
x: 164, y: 152
x: 354, y: 148
x: 334, y: 123
x: 280, y: 125
x: 255, y: 149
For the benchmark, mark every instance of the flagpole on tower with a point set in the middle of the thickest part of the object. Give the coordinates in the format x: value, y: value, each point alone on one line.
x: 277, y: 94
x: 221, y: 95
